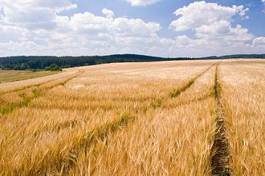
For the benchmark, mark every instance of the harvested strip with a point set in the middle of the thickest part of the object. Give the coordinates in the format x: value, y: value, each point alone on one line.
x: 220, y: 149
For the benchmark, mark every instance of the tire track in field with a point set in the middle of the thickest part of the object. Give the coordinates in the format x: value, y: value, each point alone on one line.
x: 155, y: 103
x: 196, y: 99
x: 220, y: 155
x: 2, y: 101
x: 74, y: 123
x: 68, y: 160
x: 177, y: 92
x: 31, y: 85
x: 10, y: 107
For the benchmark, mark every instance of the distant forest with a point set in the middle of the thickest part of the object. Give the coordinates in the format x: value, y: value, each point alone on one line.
x: 44, y: 62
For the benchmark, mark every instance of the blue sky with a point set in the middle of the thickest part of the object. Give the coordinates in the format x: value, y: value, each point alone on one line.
x: 162, y: 11
x: 168, y: 28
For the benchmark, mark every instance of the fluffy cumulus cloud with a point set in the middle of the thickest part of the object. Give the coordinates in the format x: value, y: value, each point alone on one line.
x: 108, y: 13
x: 90, y: 34
x: 33, y: 13
x: 142, y: 2
x: 202, y: 13
x: 38, y: 27
x: 259, y: 41
x: 212, y: 25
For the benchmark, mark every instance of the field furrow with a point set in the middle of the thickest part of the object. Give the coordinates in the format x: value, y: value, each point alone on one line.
x: 161, y: 118
x: 220, y: 150
x: 124, y: 165
x: 103, y: 134
x: 60, y: 132
x: 26, y: 95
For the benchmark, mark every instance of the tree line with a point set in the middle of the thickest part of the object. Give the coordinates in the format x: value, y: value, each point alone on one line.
x: 54, y: 62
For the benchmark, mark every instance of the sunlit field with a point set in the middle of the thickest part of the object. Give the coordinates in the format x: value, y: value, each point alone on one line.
x: 14, y: 75
x: 159, y: 118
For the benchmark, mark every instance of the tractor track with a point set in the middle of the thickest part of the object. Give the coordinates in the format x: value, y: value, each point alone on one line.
x: 65, y: 164
x: 177, y: 92
x: 31, y: 86
x: 196, y: 99
x: 220, y: 155
x: 38, y: 92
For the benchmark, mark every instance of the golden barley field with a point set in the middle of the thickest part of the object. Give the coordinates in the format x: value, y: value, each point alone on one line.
x: 159, y: 118
x: 15, y: 75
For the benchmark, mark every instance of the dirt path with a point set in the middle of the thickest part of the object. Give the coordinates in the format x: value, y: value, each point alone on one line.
x: 220, y: 150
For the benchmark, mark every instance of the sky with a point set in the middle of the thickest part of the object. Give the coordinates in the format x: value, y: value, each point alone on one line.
x: 168, y: 28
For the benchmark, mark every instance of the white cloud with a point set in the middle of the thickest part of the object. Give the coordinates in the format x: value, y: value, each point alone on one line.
x: 142, y: 2
x: 259, y: 41
x: 108, y: 13
x: 37, y: 27
x: 211, y: 26
x: 33, y: 13
x: 90, y: 24
x: 202, y: 13
x: 10, y: 33
x: 81, y: 33
x: 91, y: 34
x: 222, y: 30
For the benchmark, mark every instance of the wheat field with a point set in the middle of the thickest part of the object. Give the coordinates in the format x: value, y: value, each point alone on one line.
x: 159, y: 118
x: 15, y: 75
